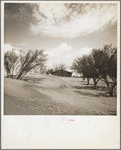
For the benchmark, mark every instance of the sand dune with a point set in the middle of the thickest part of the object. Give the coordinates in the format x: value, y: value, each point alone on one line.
x: 51, y: 95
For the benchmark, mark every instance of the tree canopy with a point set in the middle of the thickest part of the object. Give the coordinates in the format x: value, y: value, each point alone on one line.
x: 100, y: 64
x: 86, y: 66
x: 30, y: 61
x: 106, y: 63
x: 10, y: 58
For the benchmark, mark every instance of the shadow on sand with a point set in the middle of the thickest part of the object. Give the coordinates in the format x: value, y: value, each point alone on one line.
x: 90, y: 87
x: 33, y: 79
x: 91, y: 94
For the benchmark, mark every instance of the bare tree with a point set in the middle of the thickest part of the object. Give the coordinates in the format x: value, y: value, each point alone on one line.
x: 10, y: 59
x: 30, y: 61
x: 60, y: 66
x: 85, y: 65
x: 106, y: 63
x: 42, y: 70
x: 49, y: 71
x: 100, y: 64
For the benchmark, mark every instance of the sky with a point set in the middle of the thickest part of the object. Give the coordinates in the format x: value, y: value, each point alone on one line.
x: 64, y: 30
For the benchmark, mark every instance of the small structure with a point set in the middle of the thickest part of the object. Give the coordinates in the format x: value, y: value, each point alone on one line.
x: 77, y: 75
x: 62, y: 73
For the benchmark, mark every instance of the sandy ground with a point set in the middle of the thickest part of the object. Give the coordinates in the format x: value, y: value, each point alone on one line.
x: 52, y: 95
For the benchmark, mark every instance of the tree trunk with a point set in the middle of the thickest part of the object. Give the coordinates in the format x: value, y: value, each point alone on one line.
x: 88, y: 81
x: 95, y: 82
x: 111, y: 88
x: 23, y: 75
x: 7, y: 73
x: 19, y: 76
x: 12, y: 72
x: 111, y: 91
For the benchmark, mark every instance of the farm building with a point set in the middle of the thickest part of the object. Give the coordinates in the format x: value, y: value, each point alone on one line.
x: 62, y: 73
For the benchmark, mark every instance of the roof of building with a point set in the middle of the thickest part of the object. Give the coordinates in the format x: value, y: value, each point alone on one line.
x: 62, y: 71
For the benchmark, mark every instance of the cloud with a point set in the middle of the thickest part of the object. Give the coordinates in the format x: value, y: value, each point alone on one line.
x: 22, y: 43
x: 60, y: 54
x: 63, y: 48
x: 85, y: 51
x: 49, y: 12
x: 64, y: 54
x: 8, y: 47
x: 57, y: 20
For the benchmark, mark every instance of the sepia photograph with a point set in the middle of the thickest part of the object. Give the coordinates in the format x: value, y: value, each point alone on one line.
x: 60, y: 58
x: 60, y: 74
